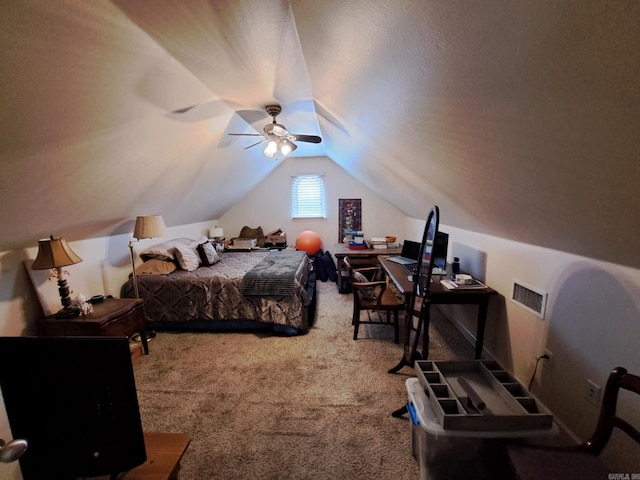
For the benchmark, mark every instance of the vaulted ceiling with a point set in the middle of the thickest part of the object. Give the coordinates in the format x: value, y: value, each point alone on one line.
x: 519, y: 118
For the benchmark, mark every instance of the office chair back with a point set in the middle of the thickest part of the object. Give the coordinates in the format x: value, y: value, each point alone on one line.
x: 608, y: 418
x: 580, y: 461
x: 371, y: 293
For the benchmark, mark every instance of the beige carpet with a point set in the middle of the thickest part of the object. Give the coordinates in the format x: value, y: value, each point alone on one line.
x: 316, y: 406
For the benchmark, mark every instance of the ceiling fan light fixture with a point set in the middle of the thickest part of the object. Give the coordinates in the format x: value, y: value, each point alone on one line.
x: 271, y: 149
x: 279, y: 129
x: 286, y: 146
x: 279, y: 140
x: 275, y: 129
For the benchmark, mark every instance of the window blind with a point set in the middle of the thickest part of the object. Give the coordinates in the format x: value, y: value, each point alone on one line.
x: 308, y: 197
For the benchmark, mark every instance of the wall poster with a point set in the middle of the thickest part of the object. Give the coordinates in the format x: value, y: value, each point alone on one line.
x: 350, y: 216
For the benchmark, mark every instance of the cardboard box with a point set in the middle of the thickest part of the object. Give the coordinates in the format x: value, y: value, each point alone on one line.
x: 244, y: 243
x: 276, y: 238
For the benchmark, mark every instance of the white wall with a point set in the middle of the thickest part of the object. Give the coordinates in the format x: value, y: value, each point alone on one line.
x: 268, y: 204
x: 592, y: 324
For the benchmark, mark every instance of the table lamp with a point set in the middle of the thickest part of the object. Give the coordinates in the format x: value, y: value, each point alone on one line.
x: 55, y: 253
x: 217, y: 233
x: 147, y: 226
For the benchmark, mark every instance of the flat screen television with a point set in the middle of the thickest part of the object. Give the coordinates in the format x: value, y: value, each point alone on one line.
x: 74, y: 400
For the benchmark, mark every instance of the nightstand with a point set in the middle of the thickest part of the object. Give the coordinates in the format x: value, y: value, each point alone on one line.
x: 113, y: 317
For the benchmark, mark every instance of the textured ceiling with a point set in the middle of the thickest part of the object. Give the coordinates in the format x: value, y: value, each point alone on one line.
x: 518, y: 118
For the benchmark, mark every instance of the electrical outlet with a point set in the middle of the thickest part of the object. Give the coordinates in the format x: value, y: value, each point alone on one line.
x: 593, y: 393
x: 547, y: 362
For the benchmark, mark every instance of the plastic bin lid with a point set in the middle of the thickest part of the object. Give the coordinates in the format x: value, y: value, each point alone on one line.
x: 429, y: 422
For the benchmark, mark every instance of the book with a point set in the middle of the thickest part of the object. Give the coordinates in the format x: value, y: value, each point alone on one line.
x: 451, y: 285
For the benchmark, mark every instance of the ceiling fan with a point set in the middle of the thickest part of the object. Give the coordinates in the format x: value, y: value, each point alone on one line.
x: 278, y: 137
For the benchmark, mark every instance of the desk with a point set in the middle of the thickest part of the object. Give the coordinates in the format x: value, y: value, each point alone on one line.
x: 443, y: 296
x: 367, y: 256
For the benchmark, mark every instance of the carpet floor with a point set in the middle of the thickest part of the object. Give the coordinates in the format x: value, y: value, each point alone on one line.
x: 316, y: 406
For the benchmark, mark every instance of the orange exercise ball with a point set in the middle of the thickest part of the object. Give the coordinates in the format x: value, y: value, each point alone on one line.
x: 309, y: 241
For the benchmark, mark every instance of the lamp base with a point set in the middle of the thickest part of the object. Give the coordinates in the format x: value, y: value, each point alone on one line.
x: 68, y: 312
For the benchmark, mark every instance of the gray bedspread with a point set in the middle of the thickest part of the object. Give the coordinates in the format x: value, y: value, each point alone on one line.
x: 273, y: 275
x: 215, y: 293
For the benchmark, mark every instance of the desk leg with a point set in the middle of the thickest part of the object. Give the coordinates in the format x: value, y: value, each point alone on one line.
x: 340, y: 263
x: 482, y: 321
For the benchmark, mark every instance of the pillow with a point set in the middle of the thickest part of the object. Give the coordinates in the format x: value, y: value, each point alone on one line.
x: 208, y: 254
x: 367, y: 293
x: 186, y: 257
x: 201, y: 239
x: 156, y: 267
x: 164, y: 250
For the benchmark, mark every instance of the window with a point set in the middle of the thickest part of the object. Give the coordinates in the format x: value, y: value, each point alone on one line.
x: 307, y: 197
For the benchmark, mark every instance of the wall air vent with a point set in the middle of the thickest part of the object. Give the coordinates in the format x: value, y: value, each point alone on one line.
x: 529, y: 298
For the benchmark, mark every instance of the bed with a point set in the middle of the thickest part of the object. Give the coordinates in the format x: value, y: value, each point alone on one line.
x: 256, y: 290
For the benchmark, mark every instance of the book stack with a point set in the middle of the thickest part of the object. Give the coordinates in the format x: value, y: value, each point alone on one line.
x: 378, y: 243
x: 472, y: 284
x: 354, y: 239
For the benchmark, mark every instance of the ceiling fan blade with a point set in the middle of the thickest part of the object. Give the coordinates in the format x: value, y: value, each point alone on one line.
x: 185, y: 109
x: 254, y: 144
x: 246, y: 134
x: 200, y: 111
x: 305, y: 138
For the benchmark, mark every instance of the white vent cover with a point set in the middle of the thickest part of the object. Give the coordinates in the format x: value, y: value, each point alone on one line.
x: 529, y: 298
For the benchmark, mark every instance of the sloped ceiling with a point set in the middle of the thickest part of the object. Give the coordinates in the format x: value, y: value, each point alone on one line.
x: 518, y: 118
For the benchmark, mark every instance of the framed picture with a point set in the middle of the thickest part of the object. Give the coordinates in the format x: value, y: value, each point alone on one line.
x: 350, y: 216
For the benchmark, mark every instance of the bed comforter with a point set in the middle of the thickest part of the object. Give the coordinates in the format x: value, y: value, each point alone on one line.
x: 215, y: 294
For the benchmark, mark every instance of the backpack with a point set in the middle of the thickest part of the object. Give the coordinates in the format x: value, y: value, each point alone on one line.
x: 324, y: 266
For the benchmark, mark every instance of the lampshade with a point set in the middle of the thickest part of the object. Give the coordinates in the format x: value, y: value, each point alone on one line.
x: 54, y: 252
x: 149, y: 226
x: 216, y: 232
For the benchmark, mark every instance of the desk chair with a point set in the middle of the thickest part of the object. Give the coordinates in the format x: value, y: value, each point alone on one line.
x: 581, y: 461
x: 372, y: 293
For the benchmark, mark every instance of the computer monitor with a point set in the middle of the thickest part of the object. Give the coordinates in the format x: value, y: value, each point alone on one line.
x: 440, y: 246
x: 74, y: 400
x: 410, y: 250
